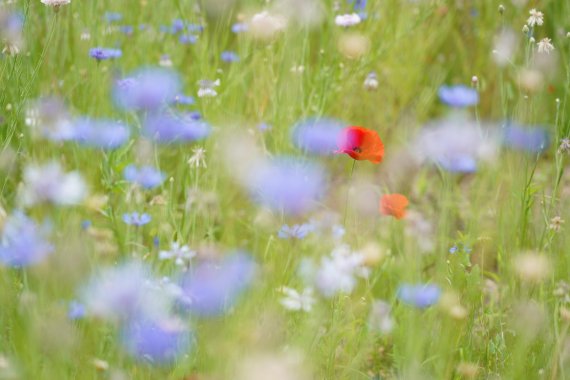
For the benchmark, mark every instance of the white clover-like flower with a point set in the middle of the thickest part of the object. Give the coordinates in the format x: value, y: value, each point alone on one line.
x: 545, y: 46
x: 347, y: 20
x: 296, y: 301
x: 337, y: 273
x: 198, y: 158
x: 55, y: 3
x: 536, y: 18
x: 181, y: 254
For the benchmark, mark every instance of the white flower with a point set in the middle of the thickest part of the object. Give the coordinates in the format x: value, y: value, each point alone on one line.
x: 207, y: 88
x: 545, y: 46
x: 348, y: 19
x: 536, y: 18
x: 55, y: 3
x: 371, y: 82
x: 198, y: 158
x: 337, y: 273
x: 265, y: 25
x: 180, y: 254
x: 48, y: 183
x: 295, y: 301
x: 380, y: 318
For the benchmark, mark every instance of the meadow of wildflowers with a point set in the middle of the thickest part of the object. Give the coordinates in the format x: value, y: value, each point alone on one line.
x: 284, y: 189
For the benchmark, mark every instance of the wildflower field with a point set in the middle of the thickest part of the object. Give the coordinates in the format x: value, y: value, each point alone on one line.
x: 284, y: 189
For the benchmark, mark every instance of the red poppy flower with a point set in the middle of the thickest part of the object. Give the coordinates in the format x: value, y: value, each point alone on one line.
x: 361, y: 144
x: 394, y: 205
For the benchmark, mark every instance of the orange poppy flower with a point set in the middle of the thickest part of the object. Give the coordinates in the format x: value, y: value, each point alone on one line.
x: 361, y: 144
x: 394, y: 205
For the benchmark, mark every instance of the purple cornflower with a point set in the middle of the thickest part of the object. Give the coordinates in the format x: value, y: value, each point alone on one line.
x: 188, y: 39
x: 212, y: 287
x: 159, y: 342
x: 357, y: 5
x: 127, y: 29
x: 288, y: 185
x: 297, y: 231
x: 101, y: 133
x: 264, y: 127
x: 146, y: 89
x: 23, y: 242
x: 195, y: 28
x: 136, y: 219
x: 419, y: 295
x: 146, y: 176
x: 458, y: 96
x: 170, y: 128
x: 229, y: 56
x: 317, y: 136
x: 100, y: 53
x: 532, y: 139
x: 177, y: 26
x: 75, y: 310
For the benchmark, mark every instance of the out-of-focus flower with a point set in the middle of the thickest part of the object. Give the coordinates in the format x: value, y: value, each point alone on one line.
x: 296, y: 301
x: 505, y: 47
x: 159, y: 342
x: 48, y: 183
x: 212, y: 287
x: 564, y: 145
x: 419, y: 295
x: 229, y: 56
x: 353, y: 45
x: 394, y: 205
x: 556, y: 224
x: 23, y: 242
x: 55, y: 3
x: 112, y: 17
x: 266, y: 25
x: 101, y: 54
x: 536, y: 18
x: 288, y: 185
x: 361, y: 144
x: 337, y: 273
x: 136, y: 219
x: 346, y: 20
x: 297, y: 231
x: 146, y: 89
x: 371, y: 81
x: 317, y: 136
x: 184, y: 100
x: 147, y: 177
x: 49, y: 118
x: 124, y: 292
x: 188, y: 39
x: 532, y: 267
x: 76, y: 310
x: 165, y: 61
x: 306, y: 13
x: 420, y: 230
x: 168, y: 128
x: 531, y: 139
x: 11, y: 32
x: 545, y: 46
x: 380, y: 317
x: 288, y: 365
x: 455, y: 144
x: 100, y: 133
x: 239, y: 27
x: 181, y: 254
x: 208, y: 88
x: 458, y: 96
x: 198, y: 158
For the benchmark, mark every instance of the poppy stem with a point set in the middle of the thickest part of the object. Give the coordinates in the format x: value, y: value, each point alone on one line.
x: 348, y: 193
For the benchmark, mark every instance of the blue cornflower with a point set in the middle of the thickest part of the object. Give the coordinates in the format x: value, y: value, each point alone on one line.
x: 160, y: 342
x: 531, y: 139
x: 195, y: 28
x: 86, y: 224
x: 419, y: 295
x: 264, y: 127
x: 127, y: 29
x: 146, y: 89
x: 113, y: 16
x: 229, y: 56
x: 170, y: 128
x: 136, y: 219
x: 317, y: 136
x: 239, y: 27
x: 100, y: 53
x: 453, y: 250
x: 23, y: 242
x: 358, y: 5
x: 177, y: 26
x: 188, y: 39
x: 75, y: 310
x: 458, y: 96
x: 101, y: 133
x: 184, y: 100
x: 297, y: 231
x: 145, y: 176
